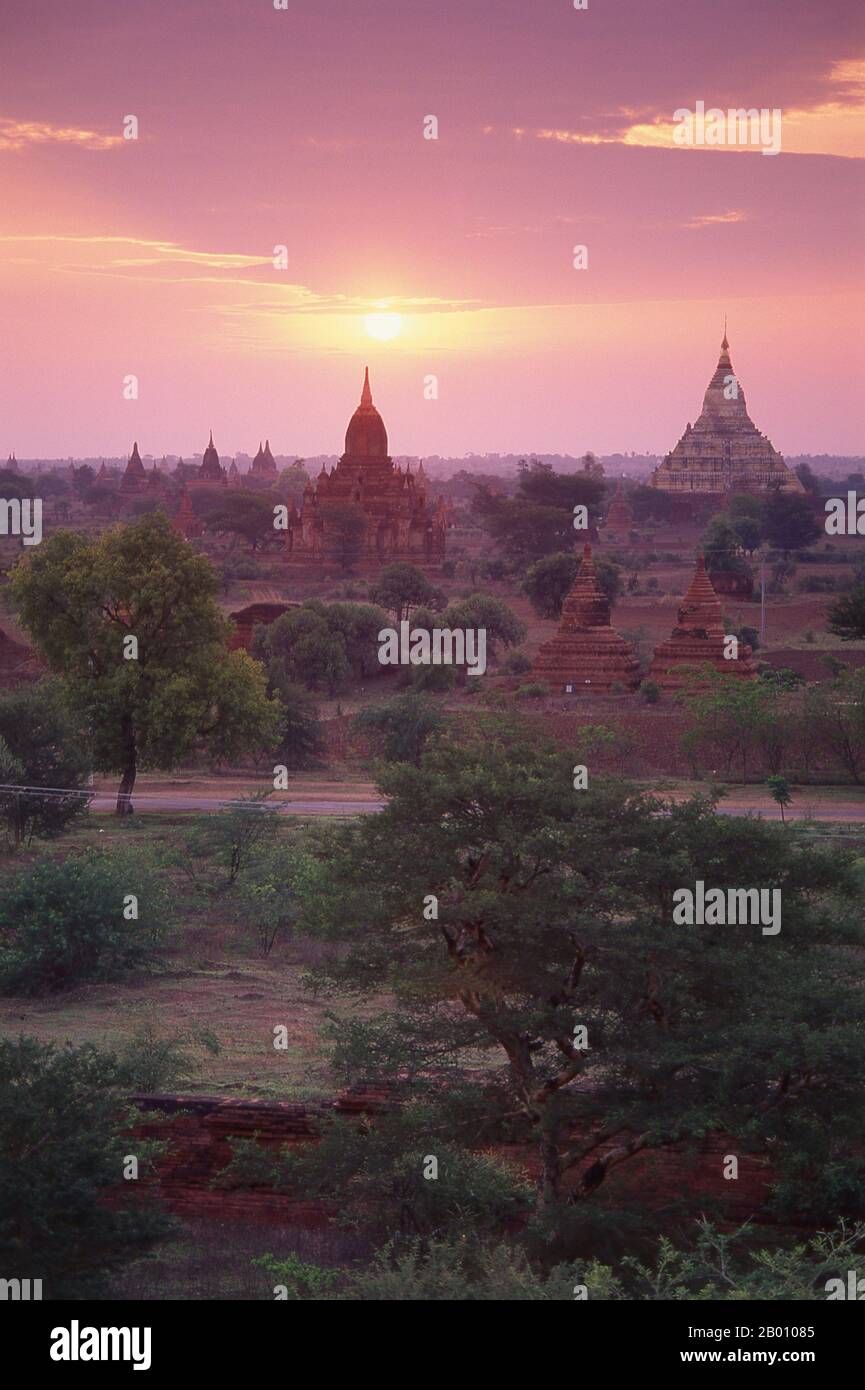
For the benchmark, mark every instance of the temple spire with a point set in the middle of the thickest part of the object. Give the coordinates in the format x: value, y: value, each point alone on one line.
x: 725, y: 346
x: 366, y: 393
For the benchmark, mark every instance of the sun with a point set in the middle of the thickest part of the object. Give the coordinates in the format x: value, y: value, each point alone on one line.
x: 383, y: 326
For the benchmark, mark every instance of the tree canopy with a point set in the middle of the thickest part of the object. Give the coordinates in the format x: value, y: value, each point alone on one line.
x: 515, y: 919
x: 129, y: 623
x: 539, y: 518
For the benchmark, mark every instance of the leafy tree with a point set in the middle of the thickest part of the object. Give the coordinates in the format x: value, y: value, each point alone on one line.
x: 294, y: 479
x: 748, y: 533
x: 734, y: 719
x: 93, y: 917
x: 101, y: 494
x: 808, y: 478
x: 268, y: 900
x: 320, y: 645
x: 301, y: 742
x: 483, y: 611
x: 722, y: 542
x: 48, y: 751
x: 539, y: 518
x: 742, y: 504
x: 401, y: 727
x: 847, y: 616
x: 539, y: 482
x: 401, y: 587
x: 347, y: 525
x: 650, y: 504
x: 779, y: 788
x: 837, y: 711
x: 62, y: 1149
x: 82, y: 479
x: 16, y: 485
x: 358, y: 626
x: 548, y: 581
x: 503, y: 912
x: 81, y: 598
x: 245, y: 514
x: 789, y: 522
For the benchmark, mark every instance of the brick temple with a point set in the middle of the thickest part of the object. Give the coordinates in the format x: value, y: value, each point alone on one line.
x: 619, y: 520
x: 396, y: 518
x: 586, y: 654
x: 185, y: 521
x: 697, y: 640
x: 723, y: 451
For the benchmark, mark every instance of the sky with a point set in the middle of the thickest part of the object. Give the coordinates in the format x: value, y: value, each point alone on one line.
x: 303, y: 128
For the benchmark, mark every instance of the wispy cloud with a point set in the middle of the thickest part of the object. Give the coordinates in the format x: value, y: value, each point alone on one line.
x: 833, y: 127
x: 713, y: 219
x: 21, y: 135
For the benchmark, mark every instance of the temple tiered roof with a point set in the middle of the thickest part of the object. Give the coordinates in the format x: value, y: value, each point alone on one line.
x: 211, y: 469
x: 723, y: 451
x: 264, y: 464
x: 586, y: 654
x: 134, y: 477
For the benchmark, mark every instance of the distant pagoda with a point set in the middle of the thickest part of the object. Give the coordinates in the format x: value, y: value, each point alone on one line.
x: 586, y: 654
x: 620, y: 516
x: 724, y: 451
x: 264, y: 465
x: 134, y: 478
x: 697, y: 640
x: 211, y: 470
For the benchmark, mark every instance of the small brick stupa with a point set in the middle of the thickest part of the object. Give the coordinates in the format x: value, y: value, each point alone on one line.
x: 620, y: 517
x: 697, y: 639
x: 586, y: 654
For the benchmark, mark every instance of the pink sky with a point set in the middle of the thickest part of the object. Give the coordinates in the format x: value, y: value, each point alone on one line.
x: 260, y: 127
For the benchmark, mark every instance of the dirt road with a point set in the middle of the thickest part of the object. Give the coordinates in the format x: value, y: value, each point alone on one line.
x: 347, y: 799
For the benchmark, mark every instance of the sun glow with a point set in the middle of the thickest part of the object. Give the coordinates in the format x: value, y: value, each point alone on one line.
x: 383, y: 326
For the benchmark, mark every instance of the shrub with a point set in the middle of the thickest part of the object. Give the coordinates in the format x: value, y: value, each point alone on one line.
x: 516, y: 664
x: 379, y: 1176
x: 218, y: 850
x: 748, y: 637
x: 534, y: 690
x: 714, y: 1265
x: 93, y: 917
x: 61, y: 1150
x: 817, y: 584
x: 152, y: 1061
x: 299, y: 1279
x: 46, y: 749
